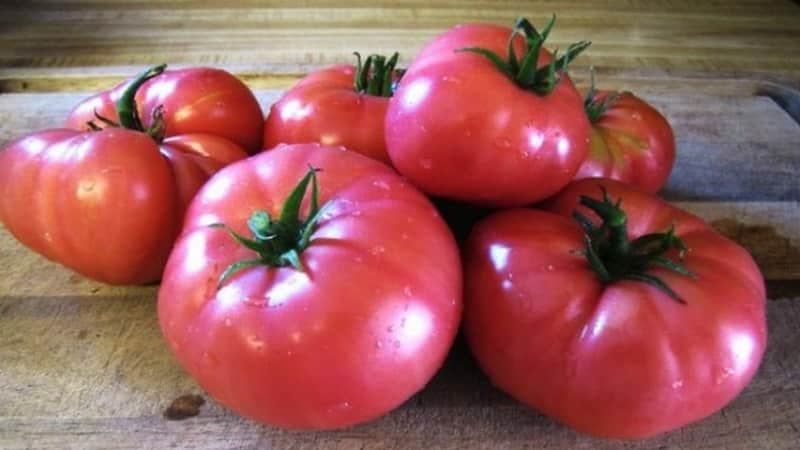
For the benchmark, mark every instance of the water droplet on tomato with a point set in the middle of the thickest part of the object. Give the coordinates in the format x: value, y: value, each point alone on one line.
x: 256, y: 343
x: 550, y: 268
x: 377, y: 250
x: 426, y: 164
x: 256, y: 302
x: 228, y: 322
x: 407, y: 291
x: 378, y: 344
x: 502, y: 143
x: 396, y: 344
x: 359, y: 259
x: 722, y: 376
x: 357, y: 213
x: 390, y: 329
x: 677, y: 384
x: 404, y: 236
x: 339, y: 407
x: 381, y: 184
x: 210, y: 359
x: 524, y: 154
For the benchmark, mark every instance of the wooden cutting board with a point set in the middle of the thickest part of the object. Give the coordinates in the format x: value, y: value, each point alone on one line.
x: 82, y: 364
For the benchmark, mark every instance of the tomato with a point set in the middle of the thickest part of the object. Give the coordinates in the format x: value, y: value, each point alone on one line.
x: 631, y: 141
x: 467, y: 125
x: 340, y: 105
x: 194, y: 100
x: 108, y: 203
x: 319, y: 332
x: 661, y: 343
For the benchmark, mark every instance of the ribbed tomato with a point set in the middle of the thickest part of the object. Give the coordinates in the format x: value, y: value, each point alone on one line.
x: 109, y: 203
x: 320, y: 322
x: 600, y: 324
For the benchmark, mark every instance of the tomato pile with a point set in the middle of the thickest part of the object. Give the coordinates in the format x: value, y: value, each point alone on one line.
x: 315, y: 285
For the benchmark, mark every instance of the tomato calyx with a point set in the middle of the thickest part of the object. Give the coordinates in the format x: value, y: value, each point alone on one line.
x: 540, y: 80
x: 280, y: 242
x: 594, y: 105
x: 377, y: 76
x: 129, y: 114
x: 613, y: 257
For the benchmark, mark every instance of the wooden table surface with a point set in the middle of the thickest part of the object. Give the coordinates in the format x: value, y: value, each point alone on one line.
x: 82, y: 364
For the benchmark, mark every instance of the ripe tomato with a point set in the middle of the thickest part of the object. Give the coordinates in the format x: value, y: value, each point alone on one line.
x: 648, y: 350
x: 631, y: 141
x: 108, y: 203
x: 467, y: 125
x: 194, y: 100
x: 340, y: 105
x: 324, y: 331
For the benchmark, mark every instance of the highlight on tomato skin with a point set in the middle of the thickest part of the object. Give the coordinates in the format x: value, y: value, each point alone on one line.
x: 311, y: 288
x: 625, y: 327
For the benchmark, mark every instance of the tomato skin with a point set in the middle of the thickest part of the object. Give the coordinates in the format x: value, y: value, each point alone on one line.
x: 623, y: 360
x: 325, y: 108
x: 363, y: 328
x: 459, y: 128
x: 106, y: 204
x: 631, y: 142
x: 195, y: 100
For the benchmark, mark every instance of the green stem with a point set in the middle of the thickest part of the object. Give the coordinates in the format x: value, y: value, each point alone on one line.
x: 613, y: 256
x: 376, y: 76
x: 525, y: 71
x: 279, y: 243
x: 595, y: 107
x: 126, y: 105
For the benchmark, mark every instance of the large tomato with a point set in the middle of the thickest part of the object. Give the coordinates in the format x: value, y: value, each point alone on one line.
x: 340, y: 105
x: 469, y: 125
x: 194, y: 100
x: 605, y: 328
x: 316, y: 323
x: 107, y: 203
x: 631, y: 141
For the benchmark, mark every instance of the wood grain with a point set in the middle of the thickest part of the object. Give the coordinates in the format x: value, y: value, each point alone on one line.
x: 702, y: 35
x: 101, y: 377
